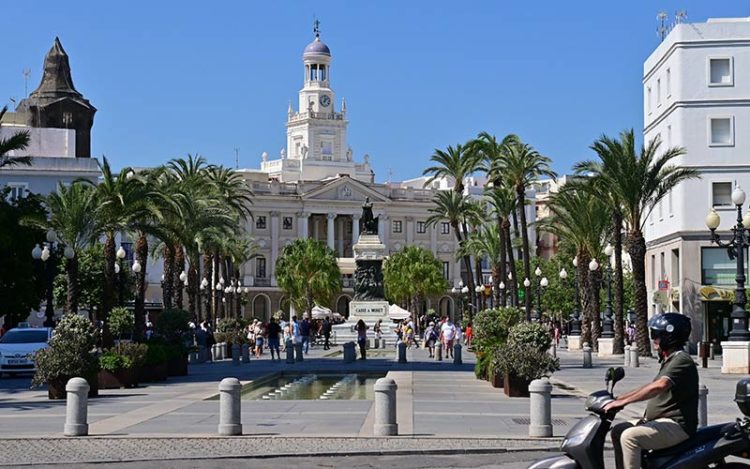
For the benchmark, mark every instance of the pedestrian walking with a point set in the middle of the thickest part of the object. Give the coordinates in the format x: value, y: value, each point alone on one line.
x: 327, y: 333
x: 274, y: 330
x: 448, y: 335
x: 304, y: 330
x: 361, y: 328
x: 430, y: 338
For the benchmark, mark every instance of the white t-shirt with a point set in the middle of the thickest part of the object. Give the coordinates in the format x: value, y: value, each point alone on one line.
x: 448, y: 330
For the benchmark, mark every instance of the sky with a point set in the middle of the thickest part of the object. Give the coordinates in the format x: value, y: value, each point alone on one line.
x: 172, y: 78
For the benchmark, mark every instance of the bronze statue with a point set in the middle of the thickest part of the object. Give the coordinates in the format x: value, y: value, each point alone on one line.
x: 369, y: 222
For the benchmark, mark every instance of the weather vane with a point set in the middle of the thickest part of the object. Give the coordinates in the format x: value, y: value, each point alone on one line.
x: 316, y: 27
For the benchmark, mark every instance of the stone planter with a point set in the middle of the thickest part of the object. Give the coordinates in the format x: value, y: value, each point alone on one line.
x: 177, y: 366
x: 123, y: 378
x: 152, y: 373
x: 497, y: 380
x: 515, y: 386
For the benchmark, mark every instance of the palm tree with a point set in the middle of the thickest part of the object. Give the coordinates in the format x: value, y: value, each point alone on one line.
x: 456, y: 208
x: 521, y: 165
x: 308, y: 274
x: 71, y: 215
x: 503, y: 201
x: 583, y: 221
x: 486, y: 242
x: 455, y: 163
x: 638, y: 180
x: 18, y: 141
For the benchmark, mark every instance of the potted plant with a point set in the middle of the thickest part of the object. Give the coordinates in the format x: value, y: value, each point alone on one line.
x: 173, y: 326
x: 120, y: 366
x: 154, y: 366
x: 71, y: 353
x: 491, y: 328
x: 524, y: 358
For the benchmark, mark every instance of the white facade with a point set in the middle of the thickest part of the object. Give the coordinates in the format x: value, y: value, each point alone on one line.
x: 696, y: 95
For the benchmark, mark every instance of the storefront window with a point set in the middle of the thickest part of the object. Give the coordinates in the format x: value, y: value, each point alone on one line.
x: 717, y: 268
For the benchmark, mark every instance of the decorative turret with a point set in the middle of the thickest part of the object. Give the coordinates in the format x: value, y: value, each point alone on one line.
x: 56, y: 102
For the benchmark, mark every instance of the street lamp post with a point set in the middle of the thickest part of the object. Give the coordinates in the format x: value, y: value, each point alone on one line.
x: 527, y: 284
x: 47, y: 256
x: 541, y: 282
x: 501, y: 286
x: 607, y: 332
x: 219, y: 300
x: 205, y: 294
x: 512, y: 296
x: 120, y: 255
x: 464, y: 299
x: 479, y: 290
x: 575, y: 321
x: 736, y: 250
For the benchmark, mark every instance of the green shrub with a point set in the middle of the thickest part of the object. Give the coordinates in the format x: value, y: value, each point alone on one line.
x: 136, y: 353
x: 525, y: 353
x: 112, y: 361
x: 531, y: 335
x: 71, y: 352
x: 121, y: 322
x: 156, y: 354
x: 491, y: 327
x: 173, y: 324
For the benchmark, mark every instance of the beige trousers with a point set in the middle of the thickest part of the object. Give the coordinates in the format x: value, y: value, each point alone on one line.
x: 629, y: 439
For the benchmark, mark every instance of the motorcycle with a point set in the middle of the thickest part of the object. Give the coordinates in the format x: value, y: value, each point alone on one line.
x: 583, y: 445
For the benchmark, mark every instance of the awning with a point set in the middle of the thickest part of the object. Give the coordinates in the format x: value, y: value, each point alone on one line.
x: 710, y: 293
x: 397, y: 312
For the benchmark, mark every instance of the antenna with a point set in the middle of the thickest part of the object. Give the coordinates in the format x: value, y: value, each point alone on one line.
x: 662, y: 29
x: 316, y: 27
x: 390, y: 175
x: 680, y: 16
x: 26, y: 75
x: 236, y: 158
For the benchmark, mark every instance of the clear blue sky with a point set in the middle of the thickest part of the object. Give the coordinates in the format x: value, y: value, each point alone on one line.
x: 171, y: 78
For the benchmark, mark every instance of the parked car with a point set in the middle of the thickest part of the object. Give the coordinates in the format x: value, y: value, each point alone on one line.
x: 17, y: 348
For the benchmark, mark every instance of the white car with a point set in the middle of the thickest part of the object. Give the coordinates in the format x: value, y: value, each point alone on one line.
x: 17, y: 348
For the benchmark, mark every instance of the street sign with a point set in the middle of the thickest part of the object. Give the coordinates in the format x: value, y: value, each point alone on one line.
x: 663, y: 284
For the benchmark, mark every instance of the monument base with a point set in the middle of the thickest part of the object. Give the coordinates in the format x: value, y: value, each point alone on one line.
x: 606, y: 347
x: 370, y: 312
x: 735, y: 357
x: 574, y: 342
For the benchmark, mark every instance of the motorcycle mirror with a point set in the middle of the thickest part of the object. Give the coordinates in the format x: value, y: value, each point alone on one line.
x: 618, y: 374
x: 610, y: 375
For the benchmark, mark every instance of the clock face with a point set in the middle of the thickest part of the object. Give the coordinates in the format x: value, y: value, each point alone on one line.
x: 325, y: 100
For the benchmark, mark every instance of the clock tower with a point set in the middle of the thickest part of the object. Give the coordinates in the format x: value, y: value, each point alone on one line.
x: 316, y: 145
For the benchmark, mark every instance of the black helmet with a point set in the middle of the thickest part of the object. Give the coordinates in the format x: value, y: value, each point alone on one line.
x: 673, y: 329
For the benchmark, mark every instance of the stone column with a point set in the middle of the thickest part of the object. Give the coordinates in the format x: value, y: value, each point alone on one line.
x: 330, y: 226
x: 433, y: 239
x: 316, y: 228
x: 303, y: 220
x: 409, y: 231
x: 340, y: 235
x: 384, y: 229
x: 274, y: 247
x: 355, y: 228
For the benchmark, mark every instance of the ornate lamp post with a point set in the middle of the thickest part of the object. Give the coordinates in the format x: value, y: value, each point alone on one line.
x: 205, y: 294
x: 501, y: 286
x: 479, y: 290
x: 464, y: 299
x: 455, y: 295
x: 607, y: 332
x: 47, y: 256
x: 541, y: 282
x: 120, y: 255
x: 527, y: 284
x: 736, y: 250
x: 219, y: 290
x: 575, y: 317
x: 512, y: 296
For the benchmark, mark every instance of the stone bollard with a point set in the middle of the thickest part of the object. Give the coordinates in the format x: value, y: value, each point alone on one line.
x: 245, y: 353
x: 702, y: 406
x: 439, y: 351
x: 77, y: 407
x: 221, y: 349
x: 229, y: 407
x: 553, y: 350
x: 385, y: 407
x: 350, y: 354
x: 298, y: 352
x: 457, y: 354
x: 634, y: 358
x: 382, y: 343
x: 626, y: 359
x: 289, y: 347
x: 540, y: 402
x: 375, y: 343
x: 236, y: 351
x: 586, y: 356
x: 401, y: 352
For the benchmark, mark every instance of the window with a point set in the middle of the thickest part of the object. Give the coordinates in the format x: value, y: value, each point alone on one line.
x: 397, y: 226
x: 287, y: 223
x: 721, y: 194
x: 669, y: 136
x: 421, y: 227
x: 260, y: 222
x: 260, y: 267
x: 717, y: 268
x: 669, y: 83
x: 18, y: 190
x: 446, y: 270
x: 648, y: 99
x: 326, y: 149
x: 658, y: 92
x: 653, y: 272
x: 720, y: 72
x: 675, y: 267
x: 721, y: 132
x: 663, y: 272
x: 445, y: 228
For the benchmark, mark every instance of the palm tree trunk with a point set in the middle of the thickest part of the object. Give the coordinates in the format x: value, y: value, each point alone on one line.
x: 469, y: 270
x: 636, y: 246
x: 167, y: 285
x: 179, y: 267
x: 208, y: 275
x: 595, y: 283
x: 513, y: 284
x: 74, y: 290
x: 192, y: 287
x: 141, y: 255
x: 108, y: 299
x: 467, y: 263
x: 516, y: 234
x: 521, y: 192
x: 619, y: 345
x: 501, y: 265
x: 585, y: 291
x: 480, y: 281
x: 214, y: 292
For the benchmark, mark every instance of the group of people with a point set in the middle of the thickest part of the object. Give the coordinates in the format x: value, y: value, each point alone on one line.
x: 448, y: 334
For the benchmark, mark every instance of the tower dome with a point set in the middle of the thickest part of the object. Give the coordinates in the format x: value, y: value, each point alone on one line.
x: 317, y: 47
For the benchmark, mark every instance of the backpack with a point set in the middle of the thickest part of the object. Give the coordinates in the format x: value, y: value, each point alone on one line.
x: 433, y: 335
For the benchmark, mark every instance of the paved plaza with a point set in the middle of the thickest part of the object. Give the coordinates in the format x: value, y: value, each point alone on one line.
x: 442, y: 409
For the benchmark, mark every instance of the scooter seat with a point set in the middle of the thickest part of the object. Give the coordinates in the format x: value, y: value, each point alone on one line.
x: 703, y: 435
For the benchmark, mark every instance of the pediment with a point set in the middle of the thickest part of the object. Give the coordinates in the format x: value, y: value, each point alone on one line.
x: 344, y: 189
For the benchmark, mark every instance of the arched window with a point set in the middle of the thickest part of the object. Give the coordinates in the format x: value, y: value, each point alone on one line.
x: 342, y: 306
x: 261, y: 307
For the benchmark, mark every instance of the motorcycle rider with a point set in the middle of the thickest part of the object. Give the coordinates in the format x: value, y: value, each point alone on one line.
x: 671, y: 415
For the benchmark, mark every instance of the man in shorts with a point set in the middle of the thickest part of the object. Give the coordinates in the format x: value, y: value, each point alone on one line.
x: 448, y: 334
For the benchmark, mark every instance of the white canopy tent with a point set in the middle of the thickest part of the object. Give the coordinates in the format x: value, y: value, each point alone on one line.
x: 321, y: 312
x: 396, y: 312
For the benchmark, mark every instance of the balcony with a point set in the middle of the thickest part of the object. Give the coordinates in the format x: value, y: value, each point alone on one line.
x: 262, y: 282
x: 336, y: 116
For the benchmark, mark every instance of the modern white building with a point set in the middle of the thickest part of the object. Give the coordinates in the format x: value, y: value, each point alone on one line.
x: 696, y: 95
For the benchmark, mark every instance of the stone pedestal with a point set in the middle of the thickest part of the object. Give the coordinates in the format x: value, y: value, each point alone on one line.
x: 574, y: 342
x: 735, y: 357
x: 606, y: 347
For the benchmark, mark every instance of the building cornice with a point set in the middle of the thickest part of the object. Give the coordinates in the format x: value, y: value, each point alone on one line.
x: 698, y: 103
x: 693, y: 45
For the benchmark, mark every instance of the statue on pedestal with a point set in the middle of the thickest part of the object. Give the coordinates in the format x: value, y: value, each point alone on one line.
x: 369, y: 222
